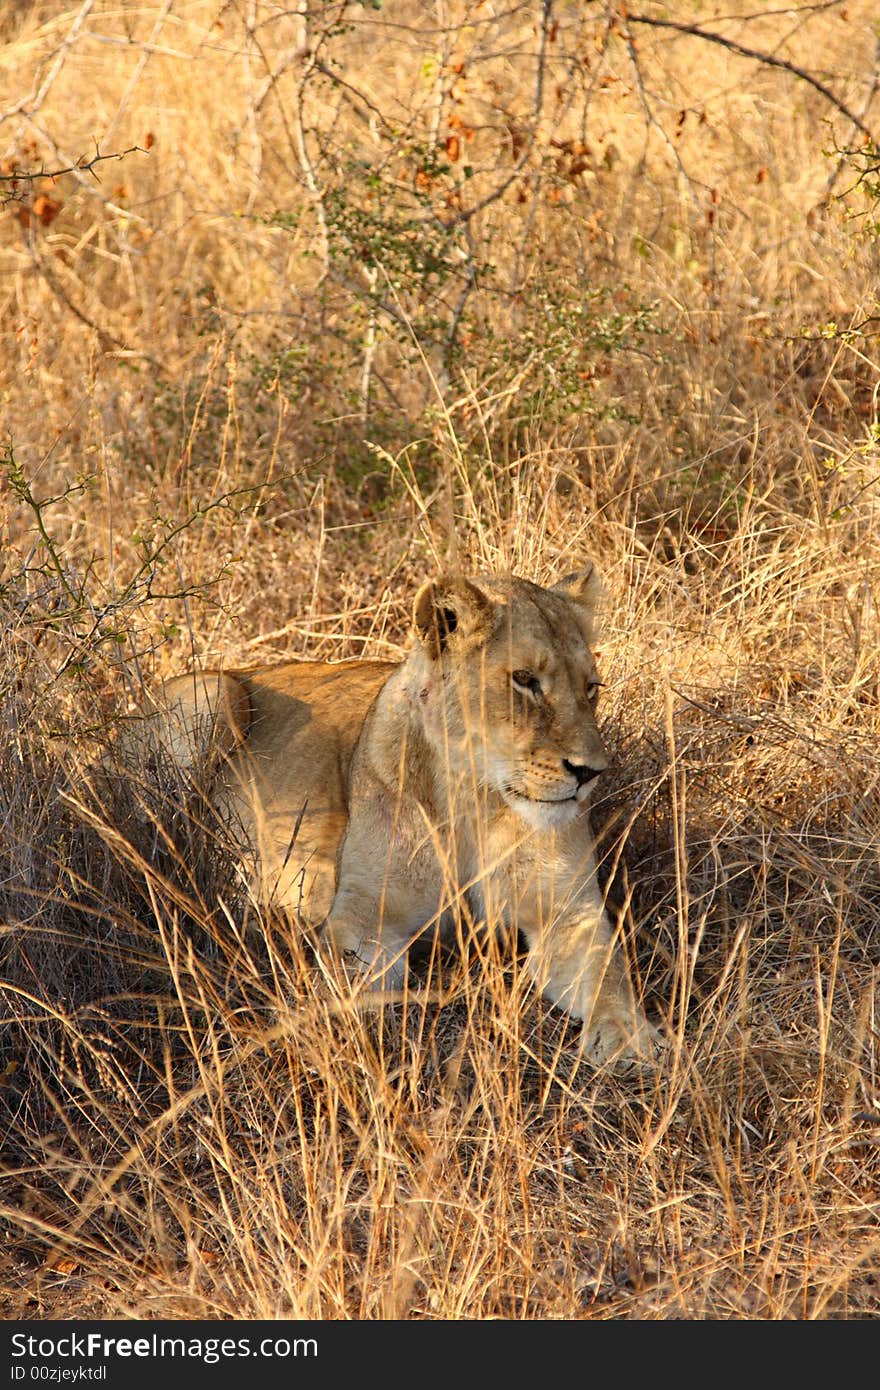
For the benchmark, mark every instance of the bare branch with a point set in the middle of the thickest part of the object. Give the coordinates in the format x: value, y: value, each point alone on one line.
x: 31, y: 104
x: 844, y: 154
x: 651, y: 121
x: 107, y: 340
x: 500, y: 189
x: 767, y: 59
x: 11, y: 178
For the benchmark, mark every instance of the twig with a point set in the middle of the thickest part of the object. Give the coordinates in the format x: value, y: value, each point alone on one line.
x: 738, y: 721
x: 529, y: 144
x: 768, y: 59
x: 352, y: 96
x: 300, y: 143
x: 650, y: 118
x: 146, y: 54
x: 81, y: 166
x: 34, y: 102
x: 872, y: 92
x: 106, y: 339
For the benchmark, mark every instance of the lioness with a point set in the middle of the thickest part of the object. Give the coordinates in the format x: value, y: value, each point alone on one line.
x: 378, y: 795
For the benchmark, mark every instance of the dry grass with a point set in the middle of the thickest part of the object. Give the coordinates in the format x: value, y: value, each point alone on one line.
x: 246, y: 437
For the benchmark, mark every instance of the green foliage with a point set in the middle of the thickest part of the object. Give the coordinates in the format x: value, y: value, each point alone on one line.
x: 413, y: 273
x: 864, y: 161
x: 560, y: 341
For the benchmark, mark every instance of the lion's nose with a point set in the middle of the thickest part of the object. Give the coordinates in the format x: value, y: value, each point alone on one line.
x: 581, y: 773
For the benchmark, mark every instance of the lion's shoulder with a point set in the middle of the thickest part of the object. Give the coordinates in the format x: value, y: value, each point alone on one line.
x: 313, y: 701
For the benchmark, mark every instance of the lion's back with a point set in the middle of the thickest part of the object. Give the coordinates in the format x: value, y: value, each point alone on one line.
x: 311, y: 706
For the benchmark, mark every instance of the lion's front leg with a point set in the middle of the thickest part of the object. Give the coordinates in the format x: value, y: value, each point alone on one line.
x: 577, y: 966
x: 382, y: 902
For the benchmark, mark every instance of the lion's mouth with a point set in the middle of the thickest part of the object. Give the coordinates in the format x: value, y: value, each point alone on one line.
x: 543, y: 812
x: 540, y: 800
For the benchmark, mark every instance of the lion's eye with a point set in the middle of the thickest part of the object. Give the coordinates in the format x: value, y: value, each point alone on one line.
x: 526, y: 680
x: 593, y: 689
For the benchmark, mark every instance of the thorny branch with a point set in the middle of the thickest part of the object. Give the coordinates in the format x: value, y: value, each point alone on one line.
x: 10, y: 178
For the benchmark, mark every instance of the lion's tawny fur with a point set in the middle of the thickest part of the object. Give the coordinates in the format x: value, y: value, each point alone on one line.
x: 378, y: 795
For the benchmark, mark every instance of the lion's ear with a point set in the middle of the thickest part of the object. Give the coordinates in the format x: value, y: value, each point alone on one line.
x: 450, y: 608
x: 584, y: 588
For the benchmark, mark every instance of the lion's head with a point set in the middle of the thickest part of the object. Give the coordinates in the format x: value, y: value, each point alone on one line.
x: 507, y: 686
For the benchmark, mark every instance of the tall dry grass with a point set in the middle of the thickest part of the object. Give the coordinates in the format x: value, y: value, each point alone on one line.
x: 247, y: 412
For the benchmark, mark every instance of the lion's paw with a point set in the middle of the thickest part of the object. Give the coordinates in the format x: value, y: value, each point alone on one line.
x: 376, y: 972
x: 621, y: 1044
